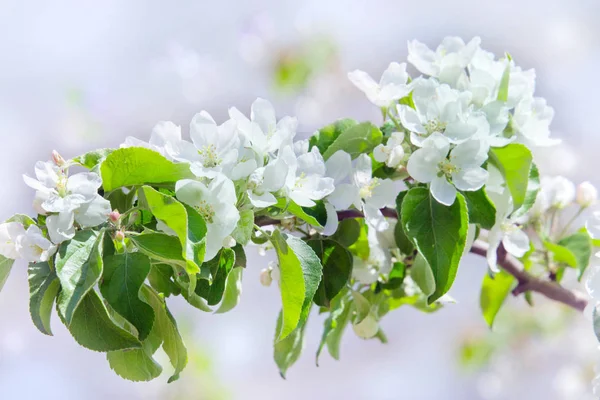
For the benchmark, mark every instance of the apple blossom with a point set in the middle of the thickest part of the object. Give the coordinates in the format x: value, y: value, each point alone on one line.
x: 392, y: 153
x: 587, y: 194
x: 33, y: 246
x: 264, y: 181
x: 392, y: 86
x: 9, y: 234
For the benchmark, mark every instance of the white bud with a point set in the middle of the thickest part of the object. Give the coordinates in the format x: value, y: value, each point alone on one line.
x: 274, y: 267
x: 380, y: 153
x: 265, y: 277
x: 367, y: 328
x: 396, y: 157
x: 229, y: 242
x: 586, y: 194
x: 262, y: 251
x: 57, y: 158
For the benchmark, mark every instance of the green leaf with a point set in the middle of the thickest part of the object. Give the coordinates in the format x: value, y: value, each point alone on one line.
x: 504, y: 81
x: 183, y: 220
x: 134, y: 364
x: 5, y: 267
x: 335, y: 325
x: 482, y: 210
x: 121, y: 201
x: 160, y: 246
x: 356, y: 140
x: 533, y: 188
x: 362, y: 307
x: 337, y: 268
x: 396, y: 276
x: 93, y: 328
x: 134, y: 166
x: 514, y: 162
x: 580, y: 245
x: 287, y: 351
x: 561, y: 254
x: 220, y: 267
x: 168, y: 331
x: 402, y: 241
x: 297, y: 211
x: 161, y: 278
x: 124, y: 275
x: 26, y: 220
x: 493, y: 293
x: 324, y: 137
x: 347, y: 233
x: 43, y: 288
x: 91, y: 159
x: 78, y: 267
x: 245, y: 226
x: 438, y: 232
x: 421, y: 273
x: 300, y: 274
x: 360, y: 247
x: 240, y: 256
x: 233, y: 291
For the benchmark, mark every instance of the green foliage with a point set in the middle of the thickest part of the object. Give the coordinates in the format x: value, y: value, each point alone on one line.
x: 402, y: 241
x: 245, y: 227
x: 124, y: 275
x: 482, y: 210
x: 233, y: 290
x: 5, y: 267
x: 315, y: 216
x: 78, y: 268
x: 92, y: 159
x: 161, y: 279
x: 161, y: 247
x: 136, y: 166
x: 422, y: 274
x: 287, y: 351
x: 580, y: 245
x: 561, y: 254
x: 438, y: 232
x: 183, y: 220
x: 503, y: 88
x: 325, y: 137
x: 220, y: 267
x: 43, y: 288
x: 356, y: 140
x: 335, y: 325
x: 514, y: 162
x: 533, y: 188
x: 494, y: 291
x: 300, y: 274
x: 347, y: 233
x: 337, y: 268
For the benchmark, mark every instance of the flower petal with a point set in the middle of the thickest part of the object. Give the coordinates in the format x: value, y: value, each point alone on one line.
x: 443, y: 191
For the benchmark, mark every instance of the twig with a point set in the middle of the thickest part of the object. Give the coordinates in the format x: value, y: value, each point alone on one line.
x: 525, y: 281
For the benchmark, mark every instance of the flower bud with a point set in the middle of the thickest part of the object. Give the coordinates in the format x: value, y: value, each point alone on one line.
x: 114, y: 216
x: 367, y: 328
x: 586, y: 194
x: 229, y: 242
x: 274, y: 267
x: 380, y: 153
x: 265, y: 277
x: 396, y: 157
x: 57, y: 158
x: 120, y: 236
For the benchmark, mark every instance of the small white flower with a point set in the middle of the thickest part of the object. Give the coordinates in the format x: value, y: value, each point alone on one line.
x: 9, y: 233
x: 166, y: 140
x: 216, y: 203
x: 505, y: 231
x: 217, y: 146
x: 265, y: 181
x: 531, y: 122
x: 262, y: 131
x: 306, y: 181
x: 446, y: 173
x: 439, y: 109
x: 390, y: 88
x: 379, y: 261
x: 587, y: 194
x: 392, y: 153
x: 33, y: 246
x: 558, y: 191
x: 447, y: 62
x: 265, y: 277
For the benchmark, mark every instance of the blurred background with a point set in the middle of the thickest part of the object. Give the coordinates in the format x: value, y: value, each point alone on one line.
x: 78, y: 75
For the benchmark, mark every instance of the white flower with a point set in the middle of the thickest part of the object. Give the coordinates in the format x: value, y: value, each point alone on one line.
x: 392, y: 153
x: 371, y: 194
x: 439, y: 109
x: 447, y: 62
x: 265, y: 277
x: 505, y: 231
x: 587, y: 194
x: 266, y: 180
x: 166, y: 140
x: 306, y: 180
x: 9, y: 233
x: 593, y: 225
x: 379, y: 261
x: 216, y: 146
x: 216, y: 203
x: 391, y: 87
x: 262, y: 131
x: 338, y: 167
x: 33, y: 246
x: 461, y: 170
x: 531, y: 122
x: 61, y: 226
x: 557, y: 191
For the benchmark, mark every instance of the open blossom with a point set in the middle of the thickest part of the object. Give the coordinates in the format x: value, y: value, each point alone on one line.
x: 380, y: 259
x: 587, y: 194
x: 531, y: 122
x: 461, y: 169
x: 438, y: 109
x: 34, y: 247
x: 265, y: 181
x: 391, y: 153
x: 447, y: 62
x: 557, y: 191
x: 9, y: 233
x: 306, y: 181
x: 262, y: 132
x: 166, y: 140
x: 217, y: 205
x: 392, y: 86
x: 505, y: 231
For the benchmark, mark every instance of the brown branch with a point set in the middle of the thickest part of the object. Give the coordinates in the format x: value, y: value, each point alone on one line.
x: 525, y: 281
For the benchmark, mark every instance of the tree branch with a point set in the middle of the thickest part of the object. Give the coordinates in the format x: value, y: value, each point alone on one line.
x: 525, y: 281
